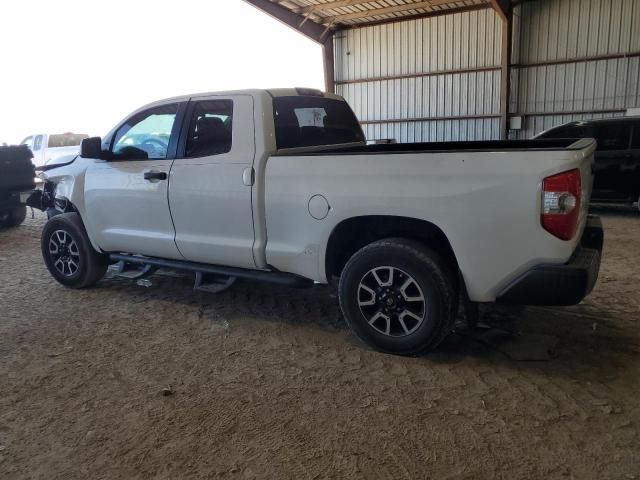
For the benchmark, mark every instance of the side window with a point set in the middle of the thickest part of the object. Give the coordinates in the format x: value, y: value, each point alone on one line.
x: 146, y: 134
x: 613, y: 136
x: 37, y: 143
x: 304, y: 121
x: 210, y: 129
x: 28, y: 142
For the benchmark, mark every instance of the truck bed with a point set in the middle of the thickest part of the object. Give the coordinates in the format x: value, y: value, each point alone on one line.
x: 435, y: 147
x: 485, y: 197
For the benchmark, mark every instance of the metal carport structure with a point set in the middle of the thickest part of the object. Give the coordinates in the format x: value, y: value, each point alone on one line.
x: 471, y: 69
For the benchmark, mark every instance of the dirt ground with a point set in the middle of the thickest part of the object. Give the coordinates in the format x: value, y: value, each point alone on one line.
x: 266, y: 382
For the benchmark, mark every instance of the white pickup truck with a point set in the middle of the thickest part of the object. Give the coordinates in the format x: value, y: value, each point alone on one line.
x: 281, y: 186
x: 49, y: 147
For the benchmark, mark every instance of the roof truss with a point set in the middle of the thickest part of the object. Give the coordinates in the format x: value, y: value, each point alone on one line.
x: 315, y: 18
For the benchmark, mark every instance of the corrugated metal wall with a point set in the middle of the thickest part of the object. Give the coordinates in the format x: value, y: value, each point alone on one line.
x: 438, y: 78
x: 433, y: 79
x: 548, y: 31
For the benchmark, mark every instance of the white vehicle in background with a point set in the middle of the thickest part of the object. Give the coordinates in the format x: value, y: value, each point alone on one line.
x: 48, y: 147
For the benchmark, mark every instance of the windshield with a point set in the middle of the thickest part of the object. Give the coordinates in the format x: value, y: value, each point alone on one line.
x: 66, y: 140
x: 311, y: 121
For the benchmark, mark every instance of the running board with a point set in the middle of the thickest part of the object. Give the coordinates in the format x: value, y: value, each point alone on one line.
x: 279, y: 278
x: 124, y: 270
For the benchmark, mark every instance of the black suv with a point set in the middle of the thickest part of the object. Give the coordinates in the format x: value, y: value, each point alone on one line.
x: 617, y: 160
x: 17, y: 175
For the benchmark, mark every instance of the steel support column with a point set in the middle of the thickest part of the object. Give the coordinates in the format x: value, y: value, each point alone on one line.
x: 329, y: 65
x: 316, y: 32
x: 505, y: 69
x: 302, y: 24
x: 502, y: 7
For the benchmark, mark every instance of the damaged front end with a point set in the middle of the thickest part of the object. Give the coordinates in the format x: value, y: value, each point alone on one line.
x: 47, y: 197
x: 44, y: 199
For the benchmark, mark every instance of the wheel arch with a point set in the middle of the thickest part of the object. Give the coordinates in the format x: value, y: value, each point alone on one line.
x: 61, y: 204
x: 351, y: 234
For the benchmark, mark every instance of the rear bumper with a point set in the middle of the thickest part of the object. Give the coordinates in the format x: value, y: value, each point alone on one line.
x: 564, y: 284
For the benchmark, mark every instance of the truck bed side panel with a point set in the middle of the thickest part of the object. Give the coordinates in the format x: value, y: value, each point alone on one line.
x: 486, y: 203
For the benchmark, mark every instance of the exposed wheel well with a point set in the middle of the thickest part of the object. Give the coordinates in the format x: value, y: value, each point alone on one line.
x: 352, y: 234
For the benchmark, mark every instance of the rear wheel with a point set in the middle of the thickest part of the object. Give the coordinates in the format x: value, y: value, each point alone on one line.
x: 398, y: 296
x: 68, y: 253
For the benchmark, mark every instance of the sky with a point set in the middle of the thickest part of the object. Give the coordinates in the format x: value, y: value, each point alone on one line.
x: 82, y: 66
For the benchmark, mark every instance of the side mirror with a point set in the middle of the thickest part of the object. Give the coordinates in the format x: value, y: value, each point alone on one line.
x: 91, y: 148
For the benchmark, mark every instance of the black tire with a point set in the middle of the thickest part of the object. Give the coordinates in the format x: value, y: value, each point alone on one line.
x: 16, y: 216
x: 90, y: 266
x: 412, y: 264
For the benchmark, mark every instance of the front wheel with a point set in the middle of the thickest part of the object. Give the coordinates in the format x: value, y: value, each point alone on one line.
x: 398, y: 296
x: 68, y: 253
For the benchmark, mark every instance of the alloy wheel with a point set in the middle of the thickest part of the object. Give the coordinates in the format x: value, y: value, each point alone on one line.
x: 391, y: 301
x: 64, y: 252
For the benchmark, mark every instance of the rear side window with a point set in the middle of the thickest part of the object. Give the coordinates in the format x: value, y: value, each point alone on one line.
x: 311, y: 121
x: 210, y: 129
x: 614, y: 136
x: 65, y: 140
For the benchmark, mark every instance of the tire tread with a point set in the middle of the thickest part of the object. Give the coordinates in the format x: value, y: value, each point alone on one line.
x: 442, y: 274
x: 95, y: 264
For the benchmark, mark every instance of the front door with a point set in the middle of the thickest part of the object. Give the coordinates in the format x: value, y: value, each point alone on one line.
x: 211, y: 180
x: 126, y: 197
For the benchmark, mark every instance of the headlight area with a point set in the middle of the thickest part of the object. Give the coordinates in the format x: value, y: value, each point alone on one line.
x: 44, y: 199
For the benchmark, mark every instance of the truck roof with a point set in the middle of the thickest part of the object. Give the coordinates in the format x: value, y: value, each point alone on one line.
x: 272, y: 92
x: 596, y: 121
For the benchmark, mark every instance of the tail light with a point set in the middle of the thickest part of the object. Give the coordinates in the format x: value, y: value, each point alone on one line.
x: 561, y: 204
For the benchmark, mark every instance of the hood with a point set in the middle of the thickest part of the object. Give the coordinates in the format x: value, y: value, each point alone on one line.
x: 58, y: 161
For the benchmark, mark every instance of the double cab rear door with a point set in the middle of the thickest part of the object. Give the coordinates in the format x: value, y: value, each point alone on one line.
x: 191, y: 197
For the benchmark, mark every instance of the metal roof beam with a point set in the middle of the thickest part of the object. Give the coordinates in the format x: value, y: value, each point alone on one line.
x: 502, y: 7
x: 384, y: 11
x: 302, y: 24
x: 323, y: 7
x: 417, y: 16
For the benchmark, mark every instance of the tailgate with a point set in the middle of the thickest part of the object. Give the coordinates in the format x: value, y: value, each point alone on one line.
x: 587, y: 148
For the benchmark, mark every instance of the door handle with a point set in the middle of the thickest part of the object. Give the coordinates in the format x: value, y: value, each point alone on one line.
x: 248, y: 176
x: 154, y: 175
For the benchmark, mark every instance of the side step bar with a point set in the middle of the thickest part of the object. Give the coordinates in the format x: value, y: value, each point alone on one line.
x: 279, y: 278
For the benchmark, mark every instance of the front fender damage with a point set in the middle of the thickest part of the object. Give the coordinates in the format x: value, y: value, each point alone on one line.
x: 48, y: 200
x: 56, y: 192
